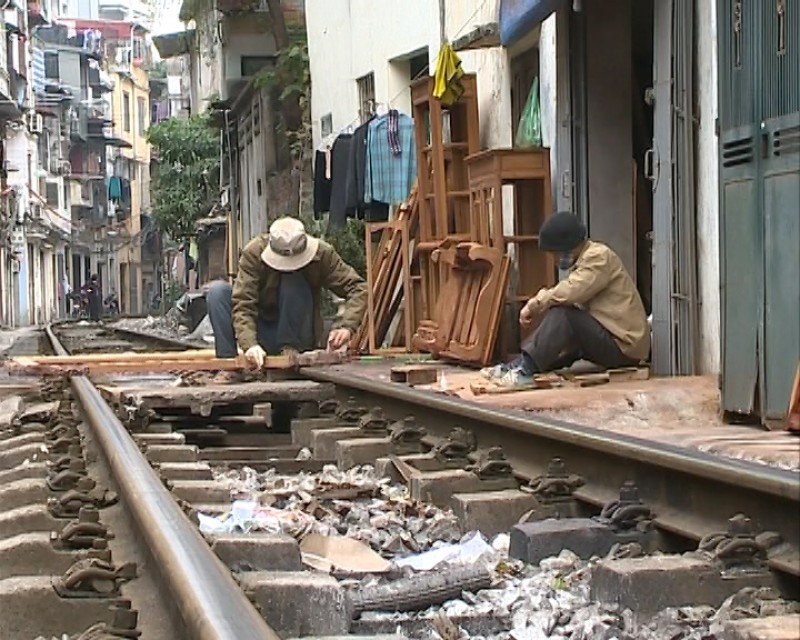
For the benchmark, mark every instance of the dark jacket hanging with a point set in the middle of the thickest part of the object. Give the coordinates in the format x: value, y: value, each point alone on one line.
x: 340, y: 157
x: 322, y: 185
x: 356, y: 169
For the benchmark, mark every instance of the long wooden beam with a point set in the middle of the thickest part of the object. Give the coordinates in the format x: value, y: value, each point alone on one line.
x: 157, y: 363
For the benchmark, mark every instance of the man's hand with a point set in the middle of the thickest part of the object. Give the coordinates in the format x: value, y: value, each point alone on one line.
x: 338, y: 338
x: 256, y: 356
x: 525, y: 316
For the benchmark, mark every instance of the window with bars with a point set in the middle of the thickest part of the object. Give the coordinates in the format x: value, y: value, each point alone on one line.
x: 126, y: 111
x: 141, y: 111
x: 326, y: 125
x: 366, y: 96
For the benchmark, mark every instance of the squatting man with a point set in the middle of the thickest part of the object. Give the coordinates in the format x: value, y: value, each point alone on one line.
x: 593, y: 314
x: 274, y: 304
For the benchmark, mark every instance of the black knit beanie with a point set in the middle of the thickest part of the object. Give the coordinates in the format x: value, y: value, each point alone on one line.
x: 561, y: 232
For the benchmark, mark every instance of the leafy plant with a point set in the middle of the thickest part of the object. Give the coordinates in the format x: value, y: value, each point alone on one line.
x: 349, y: 244
x: 184, y: 184
x: 290, y: 81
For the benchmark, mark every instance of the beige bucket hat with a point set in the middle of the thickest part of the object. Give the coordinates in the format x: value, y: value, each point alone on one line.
x: 290, y: 248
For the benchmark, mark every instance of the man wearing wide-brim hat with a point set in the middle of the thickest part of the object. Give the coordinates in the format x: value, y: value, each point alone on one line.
x: 274, y: 304
x: 595, y: 313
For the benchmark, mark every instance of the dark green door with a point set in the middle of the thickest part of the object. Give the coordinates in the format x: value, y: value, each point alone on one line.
x: 759, y: 106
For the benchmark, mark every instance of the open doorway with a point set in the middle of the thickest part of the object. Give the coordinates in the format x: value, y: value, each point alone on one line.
x: 613, y: 127
x: 642, y: 136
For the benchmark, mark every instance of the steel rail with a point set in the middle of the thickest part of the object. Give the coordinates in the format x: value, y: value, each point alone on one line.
x: 210, y: 603
x: 691, y: 491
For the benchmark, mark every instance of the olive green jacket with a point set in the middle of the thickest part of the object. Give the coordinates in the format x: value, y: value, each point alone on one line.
x: 255, y: 292
x: 599, y: 283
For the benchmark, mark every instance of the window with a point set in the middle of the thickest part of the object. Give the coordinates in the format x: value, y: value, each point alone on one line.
x: 51, y: 65
x: 126, y: 111
x: 326, y: 125
x: 366, y: 96
x: 251, y: 65
x: 142, y: 113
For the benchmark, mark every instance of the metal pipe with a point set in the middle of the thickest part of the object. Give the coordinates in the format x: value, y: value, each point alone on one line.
x: 210, y: 603
x: 737, y: 473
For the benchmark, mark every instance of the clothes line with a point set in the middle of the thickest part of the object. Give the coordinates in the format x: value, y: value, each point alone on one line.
x: 366, y: 171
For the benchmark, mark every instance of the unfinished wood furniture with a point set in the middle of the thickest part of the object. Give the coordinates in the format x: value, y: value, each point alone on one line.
x: 468, y: 312
x: 383, y: 302
x: 527, y: 171
x: 444, y: 137
x: 389, y: 282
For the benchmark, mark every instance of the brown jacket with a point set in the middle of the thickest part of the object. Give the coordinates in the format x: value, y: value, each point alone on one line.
x: 599, y: 283
x: 255, y: 292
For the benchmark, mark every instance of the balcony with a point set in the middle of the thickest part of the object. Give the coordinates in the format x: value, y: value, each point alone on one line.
x: 106, y: 136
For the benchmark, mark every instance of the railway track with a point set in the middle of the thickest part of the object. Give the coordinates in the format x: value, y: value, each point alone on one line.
x: 164, y: 451
x: 691, y: 493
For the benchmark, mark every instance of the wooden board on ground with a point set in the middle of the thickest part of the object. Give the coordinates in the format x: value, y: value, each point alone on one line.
x: 200, y: 400
x: 556, y: 380
x: 414, y: 374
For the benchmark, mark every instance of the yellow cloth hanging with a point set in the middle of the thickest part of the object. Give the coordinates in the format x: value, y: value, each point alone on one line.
x: 447, y: 85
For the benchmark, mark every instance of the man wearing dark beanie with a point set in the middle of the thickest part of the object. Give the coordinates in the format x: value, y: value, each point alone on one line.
x: 593, y: 314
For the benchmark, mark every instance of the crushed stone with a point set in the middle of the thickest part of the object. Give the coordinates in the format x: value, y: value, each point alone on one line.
x: 550, y: 601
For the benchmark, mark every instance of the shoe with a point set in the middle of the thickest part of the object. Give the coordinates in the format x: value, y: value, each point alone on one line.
x: 494, y: 373
x: 514, y: 378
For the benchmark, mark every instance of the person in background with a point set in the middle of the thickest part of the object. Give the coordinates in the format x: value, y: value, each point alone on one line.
x: 67, y: 290
x: 593, y: 314
x: 94, y: 297
x: 274, y: 304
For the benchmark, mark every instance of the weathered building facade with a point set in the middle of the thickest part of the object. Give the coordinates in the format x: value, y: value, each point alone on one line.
x: 219, y: 60
x: 629, y: 105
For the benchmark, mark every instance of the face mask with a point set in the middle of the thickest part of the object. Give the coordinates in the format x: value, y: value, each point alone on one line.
x: 565, y: 261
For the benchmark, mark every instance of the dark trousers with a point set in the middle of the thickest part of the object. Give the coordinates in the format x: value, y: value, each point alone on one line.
x: 293, y: 327
x: 95, y: 306
x: 568, y: 334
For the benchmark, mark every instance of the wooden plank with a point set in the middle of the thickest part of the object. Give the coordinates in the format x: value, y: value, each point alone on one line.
x: 199, y: 354
x: 156, y: 363
x: 412, y: 374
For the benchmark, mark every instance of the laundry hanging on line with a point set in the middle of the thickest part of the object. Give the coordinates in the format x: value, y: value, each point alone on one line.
x: 366, y: 171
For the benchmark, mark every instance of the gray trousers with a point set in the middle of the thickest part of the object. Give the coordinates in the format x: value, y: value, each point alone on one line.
x: 568, y: 334
x: 293, y: 327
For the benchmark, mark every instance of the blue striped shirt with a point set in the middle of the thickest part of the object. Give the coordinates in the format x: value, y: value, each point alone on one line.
x: 389, y: 178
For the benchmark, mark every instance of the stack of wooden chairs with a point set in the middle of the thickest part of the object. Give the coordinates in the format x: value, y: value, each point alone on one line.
x: 437, y: 278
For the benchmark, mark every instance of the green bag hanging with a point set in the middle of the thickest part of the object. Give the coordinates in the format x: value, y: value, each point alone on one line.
x: 529, y: 131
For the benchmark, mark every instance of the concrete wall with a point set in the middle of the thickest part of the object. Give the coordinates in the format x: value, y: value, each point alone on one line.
x: 244, y: 36
x: 348, y: 39
x: 707, y: 185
